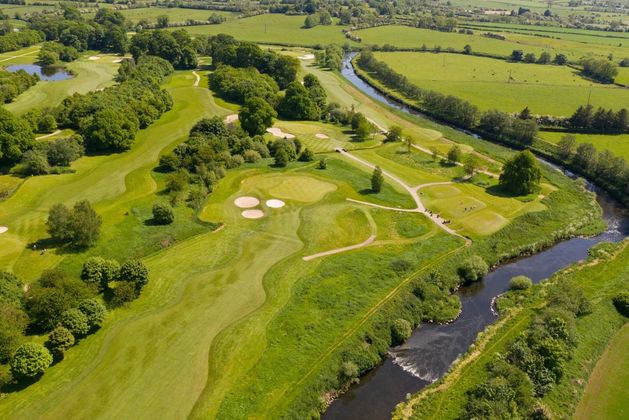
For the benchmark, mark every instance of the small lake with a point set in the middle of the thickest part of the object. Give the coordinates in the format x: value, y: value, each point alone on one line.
x: 44, y: 73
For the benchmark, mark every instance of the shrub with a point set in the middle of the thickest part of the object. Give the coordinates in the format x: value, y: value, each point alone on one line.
x: 349, y: 372
x: 621, y: 302
x: 135, y: 272
x: 30, y: 360
x: 75, y: 321
x: 163, y: 214
x: 400, y: 331
x: 251, y: 156
x: 473, y: 269
x: 306, y: 156
x: 94, y: 311
x: 59, y: 341
x: 520, y: 283
x: 123, y: 293
x: 99, y: 272
x: 323, y: 163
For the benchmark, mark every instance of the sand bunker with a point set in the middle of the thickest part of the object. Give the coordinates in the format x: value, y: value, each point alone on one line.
x: 231, y: 118
x: 307, y: 57
x: 94, y: 57
x: 277, y: 132
x: 274, y: 203
x: 3, y: 229
x: 252, y: 214
x: 246, y: 202
x: 321, y: 136
x: 117, y: 61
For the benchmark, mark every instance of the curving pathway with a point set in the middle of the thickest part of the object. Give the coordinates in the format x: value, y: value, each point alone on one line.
x: 198, y: 78
x: 423, y: 149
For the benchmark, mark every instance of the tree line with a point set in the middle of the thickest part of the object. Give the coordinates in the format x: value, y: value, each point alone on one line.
x: 14, y: 83
x: 13, y: 41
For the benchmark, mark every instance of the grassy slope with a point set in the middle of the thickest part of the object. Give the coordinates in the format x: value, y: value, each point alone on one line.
x: 616, y: 143
x: 545, y: 89
x: 446, y: 399
x: 90, y: 75
x: 605, y: 394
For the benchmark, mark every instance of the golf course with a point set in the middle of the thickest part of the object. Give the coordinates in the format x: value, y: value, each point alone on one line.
x: 226, y: 221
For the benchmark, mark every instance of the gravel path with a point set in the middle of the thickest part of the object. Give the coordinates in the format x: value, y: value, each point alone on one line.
x: 198, y: 78
x: 423, y: 149
x: 339, y: 250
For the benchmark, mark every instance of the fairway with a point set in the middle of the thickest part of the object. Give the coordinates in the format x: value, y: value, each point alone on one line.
x: 545, y: 89
x: 605, y: 395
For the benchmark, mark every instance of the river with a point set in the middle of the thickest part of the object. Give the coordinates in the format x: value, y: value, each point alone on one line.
x: 431, y: 349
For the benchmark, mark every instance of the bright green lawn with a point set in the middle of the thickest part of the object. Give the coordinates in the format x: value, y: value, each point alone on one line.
x: 274, y: 28
x: 90, y: 75
x: 618, y: 144
x: 545, y: 89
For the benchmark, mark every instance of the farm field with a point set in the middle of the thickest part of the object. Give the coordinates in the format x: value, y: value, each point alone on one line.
x: 408, y: 37
x: 604, y: 395
x: 617, y: 144
x: 545, y: 89
x: 174, y: 14
x: 274, y: 28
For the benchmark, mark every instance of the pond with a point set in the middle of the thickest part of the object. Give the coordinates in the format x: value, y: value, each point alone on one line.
x: 44, y: 73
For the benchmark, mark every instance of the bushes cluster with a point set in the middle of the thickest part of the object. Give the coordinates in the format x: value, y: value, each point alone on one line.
x: 175, y: 47
x: 78, y: 227
x: 50, y: 157
x: 330, y: 57
x: 16, y: 137
x: 14, y: 83
x: 52, y: 52
x: 13, y: 41
x: 601, y: 121
x: 108, y: 120
x: 599, y: 69
x: 239, y: 84
x: 473, y: 269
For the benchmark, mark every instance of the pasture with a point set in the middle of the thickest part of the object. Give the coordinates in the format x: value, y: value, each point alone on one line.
x: 545, y: 89
x: 408, y: 37
x: 274, y: 28
x: 90, y: 75
x: 175, y: 15
x: 605, y: 394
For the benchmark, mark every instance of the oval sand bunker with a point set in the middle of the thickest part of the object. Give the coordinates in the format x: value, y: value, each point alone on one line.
x: 246, y: 202
x: 252, y: 214
x: 3, y: 229
x: 275, y: 204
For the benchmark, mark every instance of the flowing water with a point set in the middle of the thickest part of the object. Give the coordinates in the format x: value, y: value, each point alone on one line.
x: 431, y: 349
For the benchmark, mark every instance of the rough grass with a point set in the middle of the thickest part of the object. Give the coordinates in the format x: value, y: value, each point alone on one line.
x: 605, y: 395
x: 615, y: 143
x: 545, y: 89
x: 174, y: 14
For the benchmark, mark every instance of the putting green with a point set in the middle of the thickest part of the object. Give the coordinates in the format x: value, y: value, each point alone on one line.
x: 299, y: 188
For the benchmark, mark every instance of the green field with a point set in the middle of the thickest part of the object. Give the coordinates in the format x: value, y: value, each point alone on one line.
x: 545, y: 89
x: 408, y: 37
x: 605, y: 395
x: 90, y: 75
x: 615, y: 143
x: 274, y: 28
x: 174, y: 14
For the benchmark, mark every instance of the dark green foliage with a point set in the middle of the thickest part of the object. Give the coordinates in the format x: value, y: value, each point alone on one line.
x: 30, y: 360
x: 315, y: 90
x: 504, y: 127
x: 454, y: 154
x: 621, y: 302
x: 400, y: 331
x: 520, y: 283
x: 33, y: 162
x: 601, y: 121
x: 331, y: 57
x: 11, y: 289
x: 59, y: 341
x: 94, y: 311
x: 134, y: 272
x: 62, y: 152
x: 14, y: 83
x: 473, y: 269
x: 79, y: 227
x: 51, y: 52
x: 15, y: 137
x: 123, y: 293
x: 323, y: 164
x: 108, y: 129
x: 76, y: 322
x: 599, y: 69
x: 239, y: 84
x: 297, y: 104
x: 163, y: 214
x: 13, y: 323
x: 256, y: 115
x: 521, y: 174
x: 13, y: 41
x: 377, y: 179
x: 284, y: 151
x: 306, y: 156
x: 394, y: 134
x: 175, y: 47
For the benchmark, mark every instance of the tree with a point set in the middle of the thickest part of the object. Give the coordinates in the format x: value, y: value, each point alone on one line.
x: 297, y: 104
x: 520, y: 283
x: 163, y: 214
x: 364, y: 129
x: 62, y: 152
x: 599, y: 69
x: 560, y: 59
x: 400, y: 331
x: 323, y: 164
x: 98, y: 272
x: 306, y: 156
x: 516, y: 55
x: 566, y: 146
x: 59, y: 341
x: 521, y: 174
x: 311, y: 21
x: 377, y: 180
x: 525, y: 114
x: 76, y: 322
x: 467, y: 49
x: 94, y: 311
x: 621, y: 302
x: 135, y: 272
x: 47, y: 124
x: 473, y: 268
x: 256, y: 115
x: 84, y: 224
x: 34, y: 162
x: 162, y: 21
x: 11, y: 289
x: 454, y: 154
x: 281, y: 158
x: 394, y: 134
x: 15, y: 137
x: 530, y: 58
x: 30, y: 360
x: 471, y: 165
x: 315, y: 90
x: 544, y: 58
x: 13, y: 323
x: 110, y: 129
x: 59, y: 222
x: 123, y: 293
